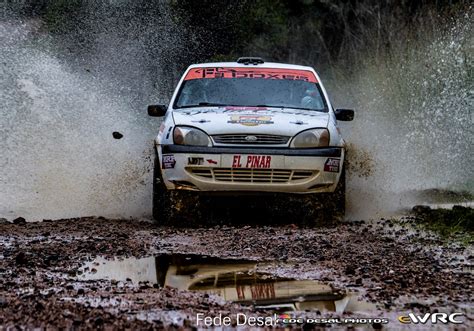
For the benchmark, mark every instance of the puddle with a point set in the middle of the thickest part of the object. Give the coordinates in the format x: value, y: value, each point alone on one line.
x: 232, y: 280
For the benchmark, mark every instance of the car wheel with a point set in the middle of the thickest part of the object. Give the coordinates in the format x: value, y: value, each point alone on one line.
x: 161, y: 196
x: 324, y: 208
x: 338, y: 199
x: 173, y: 207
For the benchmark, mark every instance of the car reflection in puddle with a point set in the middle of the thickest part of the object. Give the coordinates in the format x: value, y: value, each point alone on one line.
x: 233, y: 280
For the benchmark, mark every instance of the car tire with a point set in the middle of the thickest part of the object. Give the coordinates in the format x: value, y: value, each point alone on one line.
x: 338, y: 206
x: 173, y: 207
x: 161, y: 196
x: 324, y: 208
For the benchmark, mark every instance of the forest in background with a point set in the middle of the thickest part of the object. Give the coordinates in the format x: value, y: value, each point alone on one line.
x: 321, y: 33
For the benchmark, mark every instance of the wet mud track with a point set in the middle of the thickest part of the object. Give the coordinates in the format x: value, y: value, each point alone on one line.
x: 102, y: 273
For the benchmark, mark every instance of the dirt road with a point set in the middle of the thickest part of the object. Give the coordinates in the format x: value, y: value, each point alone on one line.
x: 99, y: 273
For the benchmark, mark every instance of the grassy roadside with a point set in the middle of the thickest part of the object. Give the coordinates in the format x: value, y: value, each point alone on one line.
x: 457, y: 222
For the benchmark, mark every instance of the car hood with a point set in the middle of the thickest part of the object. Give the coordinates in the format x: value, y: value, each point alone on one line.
x: 261, y: 120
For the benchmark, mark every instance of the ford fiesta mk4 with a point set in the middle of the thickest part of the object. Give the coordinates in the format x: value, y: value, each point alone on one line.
x: 249, y: 126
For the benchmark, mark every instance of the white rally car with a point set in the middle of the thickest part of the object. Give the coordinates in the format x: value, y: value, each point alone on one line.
x: 249, y: 126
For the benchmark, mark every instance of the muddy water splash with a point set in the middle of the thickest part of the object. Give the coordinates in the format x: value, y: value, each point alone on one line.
x: 414, y: 126
x: 60, y: 107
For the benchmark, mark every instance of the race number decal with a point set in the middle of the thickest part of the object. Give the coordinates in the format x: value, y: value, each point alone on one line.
x: 168, y: 162
x: 252, y: 161
x: 332, y: 165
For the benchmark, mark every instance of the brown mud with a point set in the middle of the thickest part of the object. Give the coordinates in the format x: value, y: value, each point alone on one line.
x: 82, y: 272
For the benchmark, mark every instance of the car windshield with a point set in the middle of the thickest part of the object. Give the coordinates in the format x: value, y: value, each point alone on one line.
x: 255, y: 89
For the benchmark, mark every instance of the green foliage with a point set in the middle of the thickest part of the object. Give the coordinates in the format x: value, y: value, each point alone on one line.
x: 316, y: 32
x: 458, y: 221
x: 320, y: 33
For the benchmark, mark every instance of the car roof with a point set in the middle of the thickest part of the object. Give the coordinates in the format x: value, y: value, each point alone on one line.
x: 272, y: 65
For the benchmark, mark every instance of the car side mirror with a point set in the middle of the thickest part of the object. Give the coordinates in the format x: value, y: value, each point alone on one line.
x: 344, y: 114
x: 157, y: 110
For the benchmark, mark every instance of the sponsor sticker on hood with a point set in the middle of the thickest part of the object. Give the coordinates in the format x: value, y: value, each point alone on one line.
x: 250, y: 120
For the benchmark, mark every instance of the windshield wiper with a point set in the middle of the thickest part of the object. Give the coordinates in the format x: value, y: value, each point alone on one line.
x: 205, y: 104
x: 324, y: 110
x: 268, y: 106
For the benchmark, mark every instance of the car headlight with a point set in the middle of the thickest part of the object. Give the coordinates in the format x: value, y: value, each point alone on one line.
x: 311, y: 138
x: 183, y: 135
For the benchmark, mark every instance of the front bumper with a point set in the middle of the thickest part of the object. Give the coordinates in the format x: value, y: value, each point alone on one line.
x: 244, y: 169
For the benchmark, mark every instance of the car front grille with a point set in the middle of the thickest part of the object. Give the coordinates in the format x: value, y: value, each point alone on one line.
x: 239, y: 175
x: 256, y: 139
